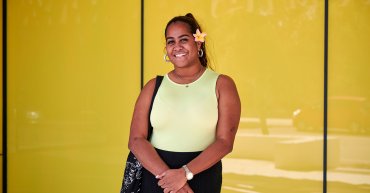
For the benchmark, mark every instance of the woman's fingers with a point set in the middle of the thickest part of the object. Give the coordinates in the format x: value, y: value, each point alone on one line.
x: 167, y: 190
x: 160, y: 176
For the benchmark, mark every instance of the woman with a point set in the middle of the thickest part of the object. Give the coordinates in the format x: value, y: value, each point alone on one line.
x: 195, y: 116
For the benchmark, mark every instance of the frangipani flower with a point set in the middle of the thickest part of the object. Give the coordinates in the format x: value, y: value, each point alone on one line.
x: 199, y: 37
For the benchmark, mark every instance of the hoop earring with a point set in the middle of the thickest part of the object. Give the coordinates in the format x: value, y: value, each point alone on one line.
x: 165, y: 58
x: 200, y: 53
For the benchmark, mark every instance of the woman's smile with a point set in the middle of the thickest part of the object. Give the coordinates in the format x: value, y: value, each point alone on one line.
x: 179, y: 55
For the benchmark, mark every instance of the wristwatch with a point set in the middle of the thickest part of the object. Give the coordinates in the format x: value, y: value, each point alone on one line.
x: 189, y: 175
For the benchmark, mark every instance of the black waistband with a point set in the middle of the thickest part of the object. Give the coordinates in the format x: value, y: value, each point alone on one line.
x: 177, y: 159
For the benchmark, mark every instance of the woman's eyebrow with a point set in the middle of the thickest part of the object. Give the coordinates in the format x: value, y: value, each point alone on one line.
x: 184, y: 35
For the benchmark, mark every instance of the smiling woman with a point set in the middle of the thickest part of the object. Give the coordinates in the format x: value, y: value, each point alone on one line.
x: 195, y: 116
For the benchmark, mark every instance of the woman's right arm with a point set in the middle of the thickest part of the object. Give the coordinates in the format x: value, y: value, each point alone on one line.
x: 138, y: 143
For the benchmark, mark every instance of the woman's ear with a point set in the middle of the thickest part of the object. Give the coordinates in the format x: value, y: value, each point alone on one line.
x: 199, y: 45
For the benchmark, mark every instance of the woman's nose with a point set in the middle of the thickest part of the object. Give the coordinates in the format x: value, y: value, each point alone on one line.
x: 178, y: 46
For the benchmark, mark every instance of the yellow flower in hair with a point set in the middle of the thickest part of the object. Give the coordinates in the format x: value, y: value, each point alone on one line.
x: 199, y: 37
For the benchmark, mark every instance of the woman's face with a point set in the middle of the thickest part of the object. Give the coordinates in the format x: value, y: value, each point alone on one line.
x: 180, y: 45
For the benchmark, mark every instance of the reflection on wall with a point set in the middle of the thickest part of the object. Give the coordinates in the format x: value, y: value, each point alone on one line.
x: 349, y: 96
x: 274, y: 52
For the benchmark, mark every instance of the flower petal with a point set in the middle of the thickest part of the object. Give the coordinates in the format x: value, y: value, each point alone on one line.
x: 199, y: 37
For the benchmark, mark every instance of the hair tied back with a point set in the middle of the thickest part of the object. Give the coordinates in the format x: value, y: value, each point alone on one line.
x: 190, y: 16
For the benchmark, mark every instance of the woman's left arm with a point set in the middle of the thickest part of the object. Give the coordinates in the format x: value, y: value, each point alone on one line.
x: 227, y: 125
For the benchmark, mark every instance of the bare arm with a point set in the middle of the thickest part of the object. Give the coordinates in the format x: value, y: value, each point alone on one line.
x: 228, y: 120
x: 138, y: 143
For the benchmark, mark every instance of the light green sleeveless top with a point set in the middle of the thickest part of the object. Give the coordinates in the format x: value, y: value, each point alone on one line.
x: 184, y: 116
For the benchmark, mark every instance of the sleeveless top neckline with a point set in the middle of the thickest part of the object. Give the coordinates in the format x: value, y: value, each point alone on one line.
x: 186, y: 84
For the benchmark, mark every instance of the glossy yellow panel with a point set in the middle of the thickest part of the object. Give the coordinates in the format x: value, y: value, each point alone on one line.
x: 73, y: 78
x: 274, y: 52
x: 349, y: 94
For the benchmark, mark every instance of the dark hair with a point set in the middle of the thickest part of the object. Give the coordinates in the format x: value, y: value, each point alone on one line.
x: 193, y: 26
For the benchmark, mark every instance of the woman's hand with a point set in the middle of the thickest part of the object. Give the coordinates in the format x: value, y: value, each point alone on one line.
x: 185, y: 189
x: 172, y: 180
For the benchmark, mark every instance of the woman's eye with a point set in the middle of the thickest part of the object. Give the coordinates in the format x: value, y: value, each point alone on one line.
x: 170, y: 42
x: 184, y: 40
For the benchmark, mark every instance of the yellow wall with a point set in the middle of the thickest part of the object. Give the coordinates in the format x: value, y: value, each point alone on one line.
x: 349, y: 94
x: 73, y: 78
x: 74, y: 75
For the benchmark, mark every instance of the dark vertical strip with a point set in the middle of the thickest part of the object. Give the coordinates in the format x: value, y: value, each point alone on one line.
x: 142, y: 46
x: 325, y: 96
x: 5, y: 163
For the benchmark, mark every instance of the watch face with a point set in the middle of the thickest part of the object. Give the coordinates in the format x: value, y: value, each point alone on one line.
x: 189, y: 176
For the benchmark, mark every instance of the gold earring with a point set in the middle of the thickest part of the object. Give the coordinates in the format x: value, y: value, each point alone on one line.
x: 165, y: 58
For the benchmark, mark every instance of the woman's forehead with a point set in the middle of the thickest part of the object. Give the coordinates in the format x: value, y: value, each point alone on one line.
x: 178, y: 27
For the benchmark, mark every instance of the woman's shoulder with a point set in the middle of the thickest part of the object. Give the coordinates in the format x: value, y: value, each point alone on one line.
x: 225, y: 84
x: 224, y: 80
x: 227, y: 90
x: 148, y: 87
x: 150, y: 83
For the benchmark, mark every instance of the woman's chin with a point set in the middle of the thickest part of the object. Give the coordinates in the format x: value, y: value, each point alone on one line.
x: 180, y: 64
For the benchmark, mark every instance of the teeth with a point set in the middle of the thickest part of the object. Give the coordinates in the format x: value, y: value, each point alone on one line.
x: 179, y: 55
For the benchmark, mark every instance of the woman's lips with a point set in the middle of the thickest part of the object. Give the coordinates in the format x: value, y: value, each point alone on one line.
x: 180, y: 55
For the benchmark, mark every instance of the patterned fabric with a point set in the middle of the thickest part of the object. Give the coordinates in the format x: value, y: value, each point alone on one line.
x: 133, y: 171
x: 132, y: 176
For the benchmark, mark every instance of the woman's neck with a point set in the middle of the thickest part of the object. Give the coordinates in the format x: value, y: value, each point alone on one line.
x: 187, y: 75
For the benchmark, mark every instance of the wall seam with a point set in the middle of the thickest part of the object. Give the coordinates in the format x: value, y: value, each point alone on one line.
x: 325, y: 145
x: 5, y: 163
x: 142, y: 45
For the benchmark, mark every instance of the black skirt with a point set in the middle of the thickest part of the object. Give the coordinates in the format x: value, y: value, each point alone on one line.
x: 208, y: 181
